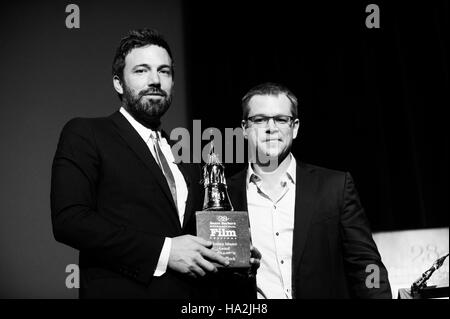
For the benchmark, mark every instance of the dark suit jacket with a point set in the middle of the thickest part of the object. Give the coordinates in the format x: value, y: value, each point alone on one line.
x: 110, y: 200
x: 332, y: 243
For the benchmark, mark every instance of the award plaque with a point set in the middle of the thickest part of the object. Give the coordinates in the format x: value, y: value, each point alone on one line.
x: 227, y: 229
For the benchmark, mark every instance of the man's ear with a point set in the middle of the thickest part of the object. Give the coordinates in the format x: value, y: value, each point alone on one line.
x: 244, y: 128
x: 296, y: 127
x: 117, y: 84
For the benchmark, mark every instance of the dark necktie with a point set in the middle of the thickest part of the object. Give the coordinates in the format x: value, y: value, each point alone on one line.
x: 162, y: 162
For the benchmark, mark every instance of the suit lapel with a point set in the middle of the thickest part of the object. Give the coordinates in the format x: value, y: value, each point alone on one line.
x: 190, y: 185
x: 304, y: 208
x: 237, y: 191
x: 135, y: 142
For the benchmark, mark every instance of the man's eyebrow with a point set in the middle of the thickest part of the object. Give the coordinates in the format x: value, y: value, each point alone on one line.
x: 145, y: 65
x: 164, y: 66
x: 141, y: 65
x: 264, y: 115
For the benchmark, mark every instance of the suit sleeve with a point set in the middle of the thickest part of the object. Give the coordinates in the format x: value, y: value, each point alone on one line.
x: 76, y: 222
x: 361, y: 256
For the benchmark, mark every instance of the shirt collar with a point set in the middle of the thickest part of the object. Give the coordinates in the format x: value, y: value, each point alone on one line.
x: 144, y: 132
x: 290, y: 172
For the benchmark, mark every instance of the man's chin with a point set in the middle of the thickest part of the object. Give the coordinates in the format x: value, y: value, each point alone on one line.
x: 266, y: 157
x: 271, y: 152
x: 154, y: 108
x: 149, y: 116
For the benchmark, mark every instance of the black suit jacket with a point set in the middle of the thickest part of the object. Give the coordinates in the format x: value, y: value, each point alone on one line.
x: 110, y: 200
x: 332, y: 241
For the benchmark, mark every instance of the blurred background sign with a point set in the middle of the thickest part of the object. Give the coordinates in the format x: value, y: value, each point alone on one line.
x: 407, y: 254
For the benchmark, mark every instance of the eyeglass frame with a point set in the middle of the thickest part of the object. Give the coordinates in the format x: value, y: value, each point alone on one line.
x: 291, y: 120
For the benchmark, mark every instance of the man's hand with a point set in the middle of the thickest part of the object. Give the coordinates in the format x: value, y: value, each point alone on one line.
x: 255, y: 259
x: 188, y: 253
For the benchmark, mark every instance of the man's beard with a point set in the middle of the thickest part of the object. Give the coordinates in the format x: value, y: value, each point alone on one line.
x: 148, y: 112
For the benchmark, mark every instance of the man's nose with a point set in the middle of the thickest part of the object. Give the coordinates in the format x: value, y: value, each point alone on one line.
x: 271, y: 126
x: 153, y: 78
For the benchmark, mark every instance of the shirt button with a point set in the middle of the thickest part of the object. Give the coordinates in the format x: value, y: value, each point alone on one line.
x: 277, y: 233
x: 282, y: 262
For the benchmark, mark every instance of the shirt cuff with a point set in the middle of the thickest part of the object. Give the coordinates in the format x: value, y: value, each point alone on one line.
x: 163, y: 260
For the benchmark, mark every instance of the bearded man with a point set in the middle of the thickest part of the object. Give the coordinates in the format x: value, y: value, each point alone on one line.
x: 118, y: 197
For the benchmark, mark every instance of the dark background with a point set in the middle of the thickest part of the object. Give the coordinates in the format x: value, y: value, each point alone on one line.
x: 372, y: 101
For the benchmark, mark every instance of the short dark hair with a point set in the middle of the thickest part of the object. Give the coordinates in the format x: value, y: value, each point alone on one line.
x: 269, y: 88
x: 137, y: 39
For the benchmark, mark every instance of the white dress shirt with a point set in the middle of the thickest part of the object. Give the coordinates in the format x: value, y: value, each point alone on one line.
x: 272, y: 228
x: 180, y: 183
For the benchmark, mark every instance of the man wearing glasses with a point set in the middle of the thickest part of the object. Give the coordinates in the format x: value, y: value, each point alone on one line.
x: 307, y: 221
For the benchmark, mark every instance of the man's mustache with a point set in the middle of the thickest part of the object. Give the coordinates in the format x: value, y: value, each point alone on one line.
x: 153, y: 90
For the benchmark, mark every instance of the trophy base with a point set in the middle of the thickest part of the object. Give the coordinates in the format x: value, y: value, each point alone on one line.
x: 230, y: 234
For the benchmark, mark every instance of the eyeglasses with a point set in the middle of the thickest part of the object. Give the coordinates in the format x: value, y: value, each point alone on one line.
x: 281, y: 121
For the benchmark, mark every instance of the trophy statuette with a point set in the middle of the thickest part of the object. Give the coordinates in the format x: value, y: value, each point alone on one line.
x: 227, y: 229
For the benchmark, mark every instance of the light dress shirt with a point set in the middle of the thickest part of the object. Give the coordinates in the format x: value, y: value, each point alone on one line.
x: 272, y: 228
